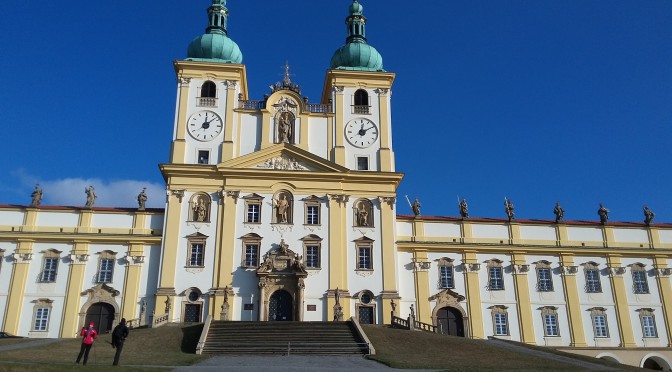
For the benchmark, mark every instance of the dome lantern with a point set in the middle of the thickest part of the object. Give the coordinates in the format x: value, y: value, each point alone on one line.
x: 215, y: 45
x: 357, y: 54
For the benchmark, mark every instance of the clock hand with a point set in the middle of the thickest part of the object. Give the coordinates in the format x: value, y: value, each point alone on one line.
x: 367, y: 129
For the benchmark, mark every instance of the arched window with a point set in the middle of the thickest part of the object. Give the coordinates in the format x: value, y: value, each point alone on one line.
x: 200, y: 207
x: 363, y: 209
x: 361, y: 105
x: 208, y: 90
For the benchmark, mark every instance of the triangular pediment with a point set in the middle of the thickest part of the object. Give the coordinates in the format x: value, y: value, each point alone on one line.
x: 283, y: 157
x: 447, y: 296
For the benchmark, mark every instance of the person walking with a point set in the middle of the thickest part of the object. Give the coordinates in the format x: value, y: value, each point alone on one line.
x: 118, y: 337
x: 89, y: 335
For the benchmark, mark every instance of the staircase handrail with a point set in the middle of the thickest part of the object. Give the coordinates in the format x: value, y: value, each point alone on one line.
x: 362, y: 335
x: 398, y: 322
x: 160, y: 320
x: 133, y: 323
x: 425, y: 326
x: 204, y: 335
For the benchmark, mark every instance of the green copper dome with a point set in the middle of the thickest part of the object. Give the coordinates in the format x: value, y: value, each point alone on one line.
x: 214, y: 45
x: 356, y: 54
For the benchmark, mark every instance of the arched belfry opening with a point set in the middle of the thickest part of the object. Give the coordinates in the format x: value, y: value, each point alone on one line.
x: 281, y: 284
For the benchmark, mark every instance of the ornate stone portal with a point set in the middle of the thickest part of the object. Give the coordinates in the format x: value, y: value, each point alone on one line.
x: 281, y: 272
x: 450, y: 299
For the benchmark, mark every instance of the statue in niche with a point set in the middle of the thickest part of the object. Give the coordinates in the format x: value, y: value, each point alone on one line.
x: 36, y: 196
x: 559, y: 212
x: 281, y: 209
x: 285, y: 125
x: 200, y: 210
x: 648, y: 215
x: 509, y: 209
x: 362, y: 215
x: 464, y: 208
x: 142, y: 199
x: 90, y: 196
x: 603, y: 213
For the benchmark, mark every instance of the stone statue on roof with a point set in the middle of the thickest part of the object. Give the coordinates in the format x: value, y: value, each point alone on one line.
x: 464, y: 208
x: 603, y: 213
x: 508, y: 204
x: 559, y: 212
x: 90, y: 196
x: 142, y: 199
x: 36, y: 196
x: 648, y: 216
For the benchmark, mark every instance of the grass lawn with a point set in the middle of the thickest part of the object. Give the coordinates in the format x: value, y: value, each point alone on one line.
x: 407, y: 349
x: 164, y: 346
x: 12, y: 341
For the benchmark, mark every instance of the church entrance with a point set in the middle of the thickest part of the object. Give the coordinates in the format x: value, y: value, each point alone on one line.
x: 450, y: 322
x: 280, y: 306
x: 102, y: 316
x: 192, y: 313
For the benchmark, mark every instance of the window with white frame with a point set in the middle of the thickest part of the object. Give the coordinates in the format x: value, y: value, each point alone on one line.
x: 253, y: 208
x: 106, y: 266
x: 196, y: 244
x: 311, y: 208
x: 364, y: 247
x: 495, y: 275
x: 311, y: 251
x: 648, y: 322
x: 251, y: 249
x: 500, y: 320
x: 362, y: 163
x: 50, y: 260
x: 41, y: 313
x: 549, y: 315
x: 446, y: 273
x: 544, y: 276
x: 593, y: 283
x: 639, y: 280
x: 598, y: 316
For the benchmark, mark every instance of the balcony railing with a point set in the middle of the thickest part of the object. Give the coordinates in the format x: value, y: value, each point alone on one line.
x: 323, y: 108
x: 251, y: 104
x: 206, y: 102
x: 319, y: 108
x: 361, y: 109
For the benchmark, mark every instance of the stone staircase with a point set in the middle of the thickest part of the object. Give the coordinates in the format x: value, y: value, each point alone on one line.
x: 286, y: 338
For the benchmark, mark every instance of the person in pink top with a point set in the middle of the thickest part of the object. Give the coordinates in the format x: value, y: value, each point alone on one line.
x: 88, y: 336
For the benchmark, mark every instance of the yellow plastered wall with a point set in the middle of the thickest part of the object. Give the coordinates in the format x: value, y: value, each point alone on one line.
x: 14, y: 305
x: 621, y: 300
x: 69, y: 326
x: 577, y: 333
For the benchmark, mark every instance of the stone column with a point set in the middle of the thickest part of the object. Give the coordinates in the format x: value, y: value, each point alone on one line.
x: 616, y: 271
x: 523, y: 303
x: 134, y: 261
x: 231, y: 97
x: 339, y: 107
x: 17, y: 288
x: 576, y: 330
x: 471, y: 266
x: 338, y: 254
x: 178, y: 149
x: 421, y: 267
x: 389, y: 252
x: 73, y: 294
x: 224, y: 245
x: 663, y: 272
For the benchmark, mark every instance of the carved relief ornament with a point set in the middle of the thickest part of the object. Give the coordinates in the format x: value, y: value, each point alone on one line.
x: 471, y: 267
x: 616, y: 270
x: 339, y: 198
x: 421, y: 266
x: 520, y: 268
x: 569, y: 269
x: 282, y: 162
x: 182, y: 81
x: 389, y: 200
x: 381, y: 91
x: 230, y: 83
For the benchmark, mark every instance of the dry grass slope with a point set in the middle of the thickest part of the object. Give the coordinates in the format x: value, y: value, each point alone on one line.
x: 165, y: 346
x: 406, y: 349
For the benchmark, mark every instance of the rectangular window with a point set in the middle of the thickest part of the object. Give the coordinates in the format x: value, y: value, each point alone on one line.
x: 251, y: 255
x: 364, y: 258
x: 544, y: 280
x: 446, y: 276
x: 312, y: 215
x: 196, y: 256
x: 551, y: 324
x: 501, y: 325
x: 639, y: 283
x: 362, y: 163
x: 649, y: 326
x: 50, y: 269
x: 253, y: 213
x: 106, y: 270
x: 496, y: 280
x: 41, y: 319
x: 313, y: 256
x: 203, y: 157
x: 600, y: 325
x: 593, y: 284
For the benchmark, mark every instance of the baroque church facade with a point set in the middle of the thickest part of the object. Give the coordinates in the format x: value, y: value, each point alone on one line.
x: 282, y: 209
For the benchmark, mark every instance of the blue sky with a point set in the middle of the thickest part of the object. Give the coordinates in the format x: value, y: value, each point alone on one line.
x: 538, y: 101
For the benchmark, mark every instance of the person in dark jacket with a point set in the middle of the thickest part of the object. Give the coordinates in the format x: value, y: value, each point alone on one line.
x: 88, y: 336
x: 118, y: 337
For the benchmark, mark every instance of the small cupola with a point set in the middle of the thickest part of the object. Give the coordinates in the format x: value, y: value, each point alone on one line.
x: 215, y: 45
x: 356, y: 54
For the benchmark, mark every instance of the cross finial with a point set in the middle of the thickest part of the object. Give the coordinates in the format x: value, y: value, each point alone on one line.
x: 286, y: 80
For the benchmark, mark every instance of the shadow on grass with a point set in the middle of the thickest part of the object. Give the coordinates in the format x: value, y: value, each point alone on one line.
x: 190, y: 337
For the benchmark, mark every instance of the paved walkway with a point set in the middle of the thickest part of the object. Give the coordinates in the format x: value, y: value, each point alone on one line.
x: 299, y: 363
x: 21, y: 345
x: 550, y: 356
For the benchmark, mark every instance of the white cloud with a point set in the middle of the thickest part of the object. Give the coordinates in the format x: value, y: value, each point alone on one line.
x: 116, y: 193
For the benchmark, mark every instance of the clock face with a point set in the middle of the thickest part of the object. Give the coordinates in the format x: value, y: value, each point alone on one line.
x: 361, y: 132
x: 205, y: 125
